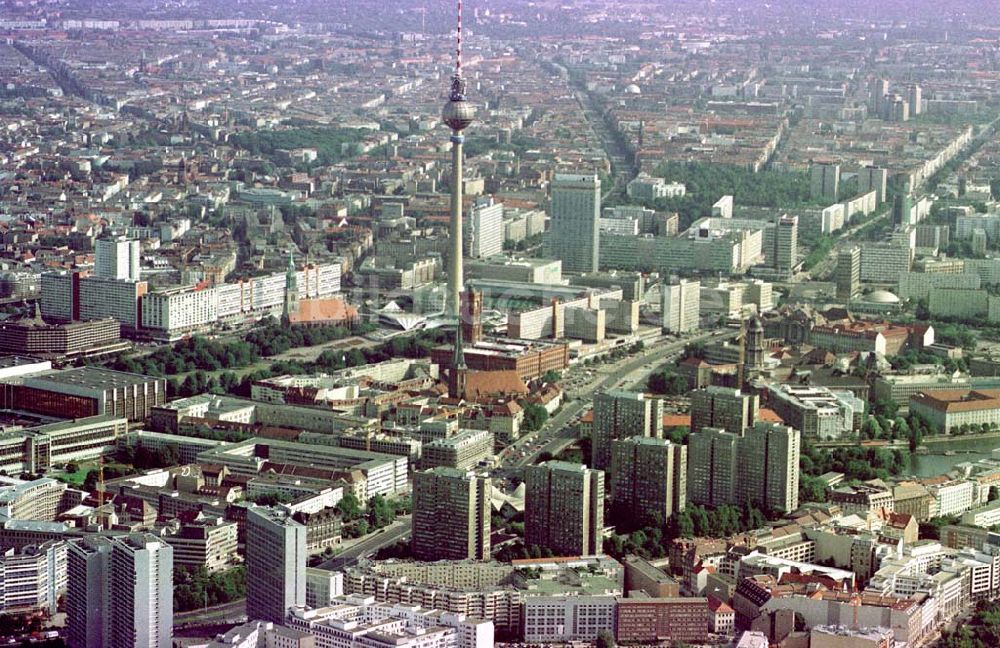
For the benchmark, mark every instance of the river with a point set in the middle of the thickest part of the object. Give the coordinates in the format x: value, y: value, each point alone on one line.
x: 970, y: 449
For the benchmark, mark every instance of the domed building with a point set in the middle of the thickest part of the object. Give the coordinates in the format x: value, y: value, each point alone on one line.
x: 882, y: 297
x: 877, y: 302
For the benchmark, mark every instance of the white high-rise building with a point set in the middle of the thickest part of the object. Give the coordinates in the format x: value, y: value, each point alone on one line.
x: 117, y: 258
x: 679, y: 303
x: 120, y: 592
x: 484, y: 235
x: 276, y: 564
x: 573, y: 236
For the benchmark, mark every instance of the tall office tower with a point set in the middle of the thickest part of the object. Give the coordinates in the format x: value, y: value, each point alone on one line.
x: 902, y: 210
x: 621, y: 414
x: 916, y: 100
x: 575, y: 223
x: 786, y: 243
x: 825, y: 181
x: 472, y: 316
x: 451, y: 515
x: 878, y: 93
x: 899, y: 109
x: 120, y: 592
x: 712, y: 457
x: 648, y: 478
x: 721, y: 407
x: 117, y: 258
x: 276, y: 564
x: 564, y: 508
x: 458, y: 114
x: 60, y: 300
x: 848, y: 273
x: 485, y: 235
x: 979, y: 241
x: 873, y: 179
x: 768, y: 473
x: 679, y: 304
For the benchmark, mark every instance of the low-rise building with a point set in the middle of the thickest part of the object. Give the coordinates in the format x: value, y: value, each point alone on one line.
x: 557, y: 619
x: 818, y: 412
x: 208, y: 543
x: 984, y: 516
x: 465, y: 450
x: 360, y: 622
x: 33, y: 579
x: 861, y: 499
x: 665, y: 619
x: 950, y: 409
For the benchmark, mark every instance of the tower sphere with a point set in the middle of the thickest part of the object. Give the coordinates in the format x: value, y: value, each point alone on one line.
x: 458, y: 114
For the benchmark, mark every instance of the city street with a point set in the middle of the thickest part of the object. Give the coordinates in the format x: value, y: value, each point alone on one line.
x: 631, y: 372
x: 390, y: 535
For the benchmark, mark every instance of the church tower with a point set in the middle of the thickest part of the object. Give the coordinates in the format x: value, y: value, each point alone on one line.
x: 459, y: 376
x: 291, y: 288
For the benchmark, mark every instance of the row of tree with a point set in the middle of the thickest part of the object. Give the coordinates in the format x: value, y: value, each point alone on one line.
x: 652, y: 538
x: 706, y: 182
x: 380, y: 513
x: 981, y: 631
x: 667, y: 381
x: 196, y: 588
x: 856, y: 463
x: 332, y: 144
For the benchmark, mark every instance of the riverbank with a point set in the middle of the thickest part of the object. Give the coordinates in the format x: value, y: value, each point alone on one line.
x: 951, y: 438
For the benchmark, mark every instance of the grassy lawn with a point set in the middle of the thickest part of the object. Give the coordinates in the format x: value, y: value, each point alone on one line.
x: 75, y: 478
x: 240, y: 372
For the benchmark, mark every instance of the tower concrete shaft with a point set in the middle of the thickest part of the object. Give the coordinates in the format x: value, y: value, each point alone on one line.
x: 456, y: 282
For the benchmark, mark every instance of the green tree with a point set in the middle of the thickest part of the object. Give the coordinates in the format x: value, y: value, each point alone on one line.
x: 381, y: 512
x: 605, y: 639
x: 349, y: 507
x: 667, y: 382
x: 551, y: 376
x: 535, y: 417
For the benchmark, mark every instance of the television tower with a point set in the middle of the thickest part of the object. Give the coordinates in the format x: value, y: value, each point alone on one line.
x: 457, y: 114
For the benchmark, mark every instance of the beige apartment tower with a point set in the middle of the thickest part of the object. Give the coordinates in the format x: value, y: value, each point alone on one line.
x: 721, y: 407
x: 564, y: 508
x: 451, y: 515
x: 619, y: 415
x: 761, y: 467
x: 648, y: 478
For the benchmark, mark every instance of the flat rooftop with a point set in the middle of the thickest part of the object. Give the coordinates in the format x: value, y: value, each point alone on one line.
x: 91, y: 378
x: 7, y: 362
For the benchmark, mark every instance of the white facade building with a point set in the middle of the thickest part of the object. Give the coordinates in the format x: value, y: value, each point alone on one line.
x: 484, y: 233
x: 558, y: 619
x: 359, y: 622
x: 680, y: 303
x: 119, y: 592
x: 33, y: 579
x: 117, y: 258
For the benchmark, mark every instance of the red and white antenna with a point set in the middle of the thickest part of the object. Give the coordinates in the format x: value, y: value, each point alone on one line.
x: 458, y: 51
x: 457, y: 82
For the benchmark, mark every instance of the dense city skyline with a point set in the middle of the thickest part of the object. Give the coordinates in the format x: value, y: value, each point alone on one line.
x: 461, y: 323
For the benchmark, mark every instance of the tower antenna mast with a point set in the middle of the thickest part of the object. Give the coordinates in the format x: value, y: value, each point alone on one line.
x: 458, y: 114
